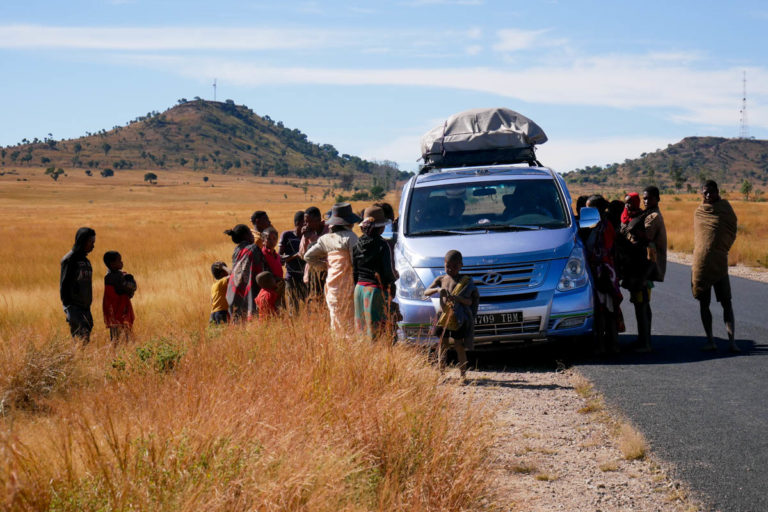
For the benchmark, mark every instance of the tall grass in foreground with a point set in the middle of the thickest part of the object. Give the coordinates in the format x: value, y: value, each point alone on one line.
x: 275, y: 416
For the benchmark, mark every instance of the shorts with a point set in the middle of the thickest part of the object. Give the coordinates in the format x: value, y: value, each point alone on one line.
x: 722, y: 291
x: 458, y: 334
x: 219, y: 317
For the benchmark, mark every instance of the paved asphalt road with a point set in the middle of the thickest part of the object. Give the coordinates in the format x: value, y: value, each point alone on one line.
x: 707, y: 413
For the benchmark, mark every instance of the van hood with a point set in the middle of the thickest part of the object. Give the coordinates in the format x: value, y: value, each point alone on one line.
x: 490, y: 248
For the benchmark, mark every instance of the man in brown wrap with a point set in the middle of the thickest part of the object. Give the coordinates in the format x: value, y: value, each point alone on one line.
x: 714, y: 231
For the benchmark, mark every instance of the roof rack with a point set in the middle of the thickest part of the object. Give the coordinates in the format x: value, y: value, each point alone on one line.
x: 526, y: 155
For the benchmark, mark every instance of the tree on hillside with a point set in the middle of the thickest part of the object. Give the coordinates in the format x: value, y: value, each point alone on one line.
x: 377, y: 192
x: 77, y: 147
x: 151, y: 177
x: 106, y: 173
x: 347, y: 180
x: 106, y: 147
x: 677, y: 176
x: 54, y: 173
x: 746, y: 189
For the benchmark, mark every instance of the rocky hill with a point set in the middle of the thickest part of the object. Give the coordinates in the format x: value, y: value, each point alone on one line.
x: 683, y: 166
x: 208, y: 136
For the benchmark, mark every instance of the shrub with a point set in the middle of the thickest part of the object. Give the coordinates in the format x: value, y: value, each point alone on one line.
x: 41, y: 371
x: 163, y: 355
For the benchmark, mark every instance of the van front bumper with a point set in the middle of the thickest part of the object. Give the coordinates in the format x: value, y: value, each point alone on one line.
x: 547, y: 314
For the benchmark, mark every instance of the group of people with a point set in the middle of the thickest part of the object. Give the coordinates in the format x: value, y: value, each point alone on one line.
x: 628, y: 249
x: 76, y: 290
x: 323, y: 257
x: 356, y: 276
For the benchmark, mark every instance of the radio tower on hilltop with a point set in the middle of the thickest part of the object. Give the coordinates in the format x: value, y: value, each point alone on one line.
x: 743, y: 125
x: 214, y: 89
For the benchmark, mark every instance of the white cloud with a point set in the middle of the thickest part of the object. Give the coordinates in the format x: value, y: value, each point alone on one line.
x: 685, y: 93
x: 222, y: 39
x: 169, y: 38
x: 512, y: 40
x: 417, y: 3
x: 474, y: 49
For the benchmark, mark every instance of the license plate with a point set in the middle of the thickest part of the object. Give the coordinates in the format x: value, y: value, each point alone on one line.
x: 499, y: 318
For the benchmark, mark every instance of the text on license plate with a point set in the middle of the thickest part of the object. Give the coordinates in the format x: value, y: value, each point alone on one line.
x: 499, y: 318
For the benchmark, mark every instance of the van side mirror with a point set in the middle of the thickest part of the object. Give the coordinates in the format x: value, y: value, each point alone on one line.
x: 389, y: 233
x: 588, y: 217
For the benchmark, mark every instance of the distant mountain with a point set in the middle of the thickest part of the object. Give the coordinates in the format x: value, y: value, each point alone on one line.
x: 685, y: 165
x: 206, y: 136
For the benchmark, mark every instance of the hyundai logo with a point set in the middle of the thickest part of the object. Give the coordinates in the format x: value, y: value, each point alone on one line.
x: 492, y: 278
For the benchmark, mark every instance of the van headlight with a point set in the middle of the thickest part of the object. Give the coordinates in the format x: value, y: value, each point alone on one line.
x: 409, y: 286
x: 575, y: 272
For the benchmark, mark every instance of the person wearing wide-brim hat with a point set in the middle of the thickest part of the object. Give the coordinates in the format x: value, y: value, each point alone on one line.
x: 335, y: 250
x: 373, y: 273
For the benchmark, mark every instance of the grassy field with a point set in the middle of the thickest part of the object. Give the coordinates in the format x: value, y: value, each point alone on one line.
x: 275, y: 416
x: 751, y: 247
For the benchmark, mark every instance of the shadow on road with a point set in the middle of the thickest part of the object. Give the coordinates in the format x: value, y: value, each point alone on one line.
x: 514, y: 384
x: 559, y: 355
x: 674, y: 350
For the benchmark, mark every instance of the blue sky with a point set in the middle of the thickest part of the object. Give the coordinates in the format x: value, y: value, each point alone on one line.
x: 606, y: 80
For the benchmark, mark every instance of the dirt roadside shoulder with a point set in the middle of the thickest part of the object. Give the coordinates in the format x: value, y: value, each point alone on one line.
x: 552, y: 451
x: 753, y: 273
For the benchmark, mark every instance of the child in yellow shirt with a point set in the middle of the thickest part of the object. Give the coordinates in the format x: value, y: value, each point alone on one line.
x: 219, y: 305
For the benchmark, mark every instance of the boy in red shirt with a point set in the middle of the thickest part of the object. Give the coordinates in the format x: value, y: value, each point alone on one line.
x: 268, y: 297
x: 119, y: 288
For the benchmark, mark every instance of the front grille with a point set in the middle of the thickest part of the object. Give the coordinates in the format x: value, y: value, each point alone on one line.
x: 499, y: 299
x: 494, y: 278
x: 527, y: 326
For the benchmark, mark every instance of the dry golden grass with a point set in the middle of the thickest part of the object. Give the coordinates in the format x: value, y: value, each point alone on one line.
x: 632, y: 444
x: 270, y: 416
x: 751, y: 247
x: 581, y: 385
x: 546, y: 477
x: 610, y: 465
x: 524, y: 468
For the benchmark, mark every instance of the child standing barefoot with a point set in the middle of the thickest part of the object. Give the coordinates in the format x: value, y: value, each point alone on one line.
x: 458, y: 301
x: 119, y: 288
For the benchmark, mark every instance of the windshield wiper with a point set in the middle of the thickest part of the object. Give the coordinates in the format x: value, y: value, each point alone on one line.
x: 433, y: 232
x: 503, y: 227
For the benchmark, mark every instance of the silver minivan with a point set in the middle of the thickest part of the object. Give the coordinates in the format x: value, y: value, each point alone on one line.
x: 519, y: 239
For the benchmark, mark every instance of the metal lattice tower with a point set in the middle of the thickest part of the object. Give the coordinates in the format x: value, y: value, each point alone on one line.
x: 743, y: 124
x: 214, y: 89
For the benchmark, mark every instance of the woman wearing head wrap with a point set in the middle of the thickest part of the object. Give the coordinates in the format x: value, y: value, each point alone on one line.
x: 246, y: 265
x: 599, y: 246
x: 75, y: 287
x: 635, y: 268
x: 335, y: 250
x: 373, y: 274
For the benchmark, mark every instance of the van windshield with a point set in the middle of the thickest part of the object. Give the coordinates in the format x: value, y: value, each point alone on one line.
x: 485, y: 206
